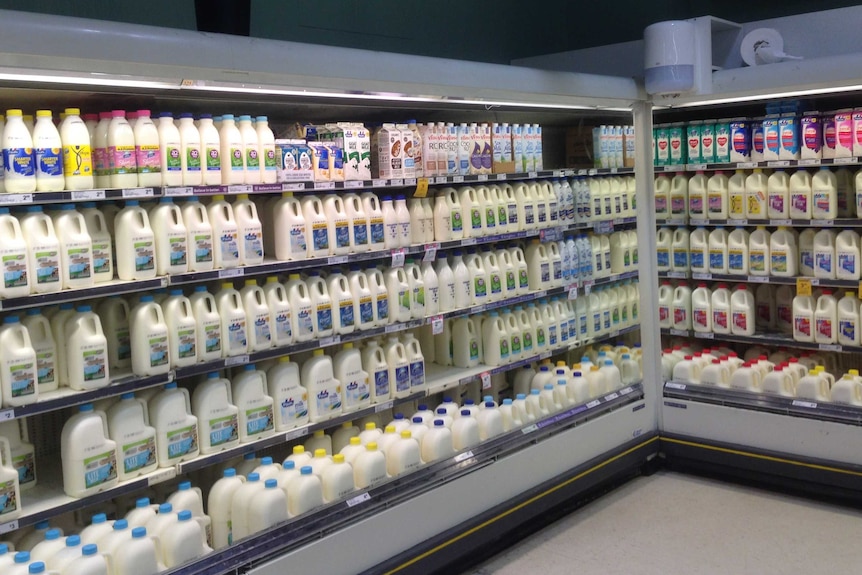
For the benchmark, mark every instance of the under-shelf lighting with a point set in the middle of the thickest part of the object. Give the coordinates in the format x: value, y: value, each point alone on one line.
x: 664, y: 104
x: 94, y: 79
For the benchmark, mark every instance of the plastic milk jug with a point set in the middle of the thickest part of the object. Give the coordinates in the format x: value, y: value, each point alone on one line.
x: 758, y: 252
x: 89, y: 456
x: 149, y: 338
x: 824, y: 193
x: 47, y: 154
x: 824, y: 254
x: 290, y: 398
x: 171, y: 151
x: 783, y: 253
x: 801, y: 199
x: 249, y: 390
x: 123, y: 153
x: 718, y: 251
x: 826, y: 319
x: 147, y: 150
x: 717, y: 196
x: 258, y: 316
x: 234, y: 321
x: 357, y: 219
x: 847, y: 255
x: 43, y: 250
x: 209, y: 329
x: 848, y: 319
x: 201, y: 241
x: 86, y: 350
x: 324, y: 391
x: 77, y: 164
x: 219, y: 504
x: 778, y: 195
x: 182, y: 329
x: 737, y: 197
x: 19, y: 374
x: 737, y: 252
x: 76, y: 248
x: 803, y: 318
x: 742, y: 311
x: 136, y: 243
x: 226, y: 240
x: 177, y: 428
x: 212, y: 403
x: 232, y: 152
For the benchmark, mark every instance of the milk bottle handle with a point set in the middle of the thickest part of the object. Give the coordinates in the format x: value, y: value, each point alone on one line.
x: 6, y: 452
x: 104, y: 418
x: 229, y: 391
x: 157, y: 543
x: 185, y: 393
x: 145, y: 408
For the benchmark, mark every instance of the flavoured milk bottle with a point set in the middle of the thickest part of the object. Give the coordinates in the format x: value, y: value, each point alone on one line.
x: 249, y: 390
x: 77, y: 152
x: 149, y: 338
x: 212, y: 404
x: 122, y: 153
x: 136, y: 249
x: 89, y: 456
x: 47, y: 152
x: 200, y: 241
x: 778, y: 195
x: 172, y: 238
x: 208, y: 325
x: 226, y: 250
x: 129, y: 424
x: 176, y: 427
x: 800, y: 195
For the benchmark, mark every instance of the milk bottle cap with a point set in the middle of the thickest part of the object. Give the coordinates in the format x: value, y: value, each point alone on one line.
x: 121, y: 524
x: 404, y: 435
x: 166, y: 508
x: 23, y: 557
x: 37, y: 567
x: 370, y: 426
x: 291, y: 464
x: 184, y: 515
x: 139, y: 532
x: 270, y: 484
x: 441, y: 411
x: 548, y: 387
x: 507, y: 401
x: 50, y: 535
x: 171, y: 385
x: 200, y: 289
x: 357, y: 441
x: 521, y: 396
x: 11, y: 319
x: 489, y: 404
x: 187, y: 115
x: 253, y: 477
x: 536, y: 391
x: 577, y: 374
x: 86, y: 407
x: 466, y: 412
x: 98, y: 518
x: 439, y: 423
x: 321, y: 453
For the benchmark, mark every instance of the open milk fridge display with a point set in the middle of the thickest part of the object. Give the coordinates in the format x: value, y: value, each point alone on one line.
x: 248, y: 322
x: 757, y: 201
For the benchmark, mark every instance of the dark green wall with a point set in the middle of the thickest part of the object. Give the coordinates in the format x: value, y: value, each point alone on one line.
x: 497, y: 31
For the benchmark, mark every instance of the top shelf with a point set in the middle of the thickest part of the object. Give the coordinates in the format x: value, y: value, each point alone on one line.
x: 810, y: 163
x: 11, y: 200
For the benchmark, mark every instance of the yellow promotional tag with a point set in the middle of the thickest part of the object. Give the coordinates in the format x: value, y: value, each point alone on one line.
x: 421, y: 188
x: 860, y: 290
x: 803, y: 286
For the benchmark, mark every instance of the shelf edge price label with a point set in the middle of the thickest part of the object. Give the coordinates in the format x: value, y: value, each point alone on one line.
x: 573, y: 292
x: 378, y: 183
x: 803, y: 287
x: 482, y: 178
x: 441, y: 180
x: 383, y: 406
x: 808, y: 404
x: 137, y: 192
x: 362, y: 498
x: 672, y: 385
x: 421, y: 188
x: 353, y: 184
x: 457, y: 179
x: 231, y: 273
x: 296, y: 433
x: 437, y: 325
x: 236, y: 360
x: 501, y: 177
x: 336, y: 260
x: 463, y: 456
x: 398, y: 257
x: 396, y: 182
x: 181, y: 191
x: 7, y: 414
x: 532, y: 175
x: 88, y: 195
x: 485, y: 376
x: 758, y: 279
x: 16, y: 199
x: 8, y: 527
x: 410, y: 181
x: 830, y: 347
x: 593, y: 403
x: 431, y: 252
x: 324, y: 185
x: 162, y: 476
x: 845, y: 160
x: 331, y: 340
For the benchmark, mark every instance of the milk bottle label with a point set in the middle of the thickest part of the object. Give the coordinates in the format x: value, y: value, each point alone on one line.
x: 14, y: 270
x: 606, y: 316
x: 501, y: 215
x: 762, y: 311
x: 327, y: 401
x: 734, y: 259
x: 252, y: 160
x: 417, y: 373
x: 236, y: 159
x: 45, y: 365
x: 847, y: 329
x: 785, y: 314
x: 177, y: 253
x: 757, y: 261
x: 558, y: 270
x: 381, y: 382
x: 213, y: 159
x: 663, y: 257
x: 298, y: 244
x: 680, y: 259
x: 8, y: 502
x: 807, y: 258
x: 402, y: 378
x: 144, y: 254
x: 481, y: 288
x: 377, y: 228
x: 345, y: 313
x: 19, y: 161
x: 139, y: 454
x: 294, y: 408
x: 158, y: 349
x: 824, y: 327
x: 679, y: 315
x: 357, y: 391
x: 203, y: 246
x: 100, y: 469
x: 282, y: 326
x: 77, y: 160
x: 800, y: 202
x: 847, y: 262
x: 102, y: 259
x: 360, y: 233
x: 174, y: 161
x: 789, y: 130
x: 23, y: 377
x: 540, y: 337
x: 661, y: 204
x: 320, y: 236
x: 635, y: 312
x: 516, y: 344
x: 212, y: 337
x: 193, y: 159
x: 597, y: 319
x: 261, y: 328
x: 79, y: 263
x: 552, y: 336
x: 342, y: 234
x: 229, y: 246
x: 47, y: 267
x: 740, y: 320
x: 259, y: 420
x: 48, y: 161
x: 496, y: 284
x: 186, y: 343
x: 148, y: 159
x: 223, y: 430
x: 776, y: 202
x: 677, y: 205
x: 803, y: 326
x: 324, y: 317
x: 820, y: 202
x: 236, y: 334
x: 253, y: 244
x: 823, y: 262
x: 779, y: 261
x: 457, y: 223
x: 26, y: 466
x: 95, y: 361
x: 182, y: 441
x: 510, y: 281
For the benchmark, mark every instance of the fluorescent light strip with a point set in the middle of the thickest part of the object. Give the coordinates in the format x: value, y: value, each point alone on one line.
x: 89, y: 81
x: 769, y: 95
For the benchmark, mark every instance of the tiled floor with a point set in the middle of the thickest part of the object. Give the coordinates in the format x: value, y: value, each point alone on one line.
x: 672, y: 524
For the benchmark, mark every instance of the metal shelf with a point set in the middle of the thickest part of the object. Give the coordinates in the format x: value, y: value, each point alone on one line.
x: 776, y: 280
x: 776, y: 340
x: 809, y: 163
x: 695, y: 222
x: 13, y: 200
x: 823, y: 411
x: 114, y: 287
x: 365, y: 503
x: 66, y: 397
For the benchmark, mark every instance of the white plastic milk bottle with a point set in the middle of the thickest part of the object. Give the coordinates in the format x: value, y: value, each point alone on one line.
x: 76, y: 247
x: 231, y: 152
x: 256, y: 419
x: 18, y: 377
x: 234, y: 322
x: 47, y: 152
x: 89, y: 456
x: 77, y: 152
x: 177, y: 428
x: 354, y: 379
x: 226, y: 240
x: 147, y: 156
x: 258, y: 316
x: 302, y: 309
x: 208, y: 320
x: 182, y: 329
x: 19, y: 160
x: 249, y: 231
x: 192, y: 161
x: 86, y: 350
x: 290, y: 239
x: 44, y: 344
x: 43, y: 249
x: 290, y: 399
x: 149, y: 337
x: 171, y: 151
x: 136, y: 245
x: 200, y: 236
x: 324, y: 391
x: 212, y: 404
x: 129, y: 423
x: 172, y: 238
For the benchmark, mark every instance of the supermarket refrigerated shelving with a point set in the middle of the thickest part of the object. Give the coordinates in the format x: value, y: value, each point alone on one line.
x: 771, y: 164
x: 775, y: 340
x: 773, y: 280
x: 840, y: 223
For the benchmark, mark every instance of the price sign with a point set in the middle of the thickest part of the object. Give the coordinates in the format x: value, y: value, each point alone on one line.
x: 485, y: 376
x: 482, y: 178
x: 7, y: 414
x: 463, y: 456
x: 15, y: 199
x: 324, y: 185
x: 162, y: 476
x: 436, y: 325
x: 398, y: 257
x: 803, y: 286
x: 457, y: 179
x: 185, y: 191
x: 236, y: 360
x: 353, y: 501
x: 383, y: 406
x: 352, y: 184
x: 396, y: 182
x: 378, y: 183
x: 431, y: 252
x: 573, y: 292
x: 332, y: 260
x: 421, y: 188
x: 88, y: 195
x: 231, y: 273
x: 296, y: 433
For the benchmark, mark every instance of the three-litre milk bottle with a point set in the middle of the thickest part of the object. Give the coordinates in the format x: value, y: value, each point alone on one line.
x: 149, y: 337
x: 86, y: 350
x: 102, y: 242
x: 279, y: 309
x: 256, y: 419
x: 289, y: 397
x: 43, y: 250
x: 200, y: 241
x: 249, y: 231
x: 172, y: 238
x: 234, y: 321
x: 18, y: 377
x: 45, y: 346
x: 800, y: 195
x: 258, y: 316
x: 182, y: 329
x: 129, y: 422
x: 717, y: 196
x: 89, y: 456
x: 324, y: 391
x: 225, y: 231
x: 208, y: 320
x: 76, y: 247
x: 212, y: 403
x: 136, y: 249
x: 177, y: 428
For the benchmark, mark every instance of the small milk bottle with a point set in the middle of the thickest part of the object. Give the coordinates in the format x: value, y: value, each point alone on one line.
x: 170, y: 151
x: 210, y: 150
x: 232, y: 152
x: 48, y: 150
x: 251, y: 151
x: 19, y: 160
x: 225, y: 230
x: 192, y: 164
x: 147, y: 150
x: 266, y: 150
x: 77, y: 152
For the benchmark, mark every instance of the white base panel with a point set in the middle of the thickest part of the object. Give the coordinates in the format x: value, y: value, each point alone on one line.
x: 388, y: 533
x: 798, y: 436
